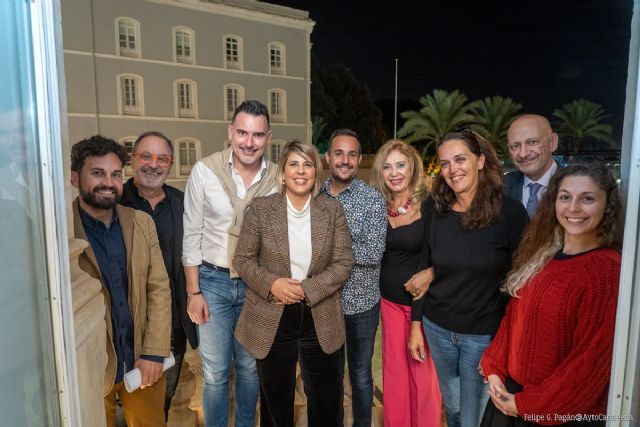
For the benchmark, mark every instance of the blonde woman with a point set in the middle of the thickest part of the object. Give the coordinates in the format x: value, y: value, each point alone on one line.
x: 411, y: 395
x: 294, y: 253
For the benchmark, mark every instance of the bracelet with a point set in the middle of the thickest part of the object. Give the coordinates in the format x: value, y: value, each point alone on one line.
x: 195, y: 293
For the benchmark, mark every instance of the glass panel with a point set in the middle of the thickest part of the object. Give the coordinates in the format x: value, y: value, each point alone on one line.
x: 27, y: 374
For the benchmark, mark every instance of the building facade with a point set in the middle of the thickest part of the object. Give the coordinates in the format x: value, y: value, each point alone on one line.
x: 181, y: 67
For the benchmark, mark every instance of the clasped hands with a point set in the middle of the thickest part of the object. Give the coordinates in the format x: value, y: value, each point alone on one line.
x: 287, y: 291
x: 504, y: 401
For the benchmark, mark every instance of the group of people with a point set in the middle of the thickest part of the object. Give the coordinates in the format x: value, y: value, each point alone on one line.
x: 264, y: 267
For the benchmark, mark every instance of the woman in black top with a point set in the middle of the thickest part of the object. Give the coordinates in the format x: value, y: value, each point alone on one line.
x: 411, y: 395
x: 471, y: 233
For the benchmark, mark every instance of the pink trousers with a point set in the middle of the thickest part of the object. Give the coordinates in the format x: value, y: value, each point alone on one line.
x: 411, y: 392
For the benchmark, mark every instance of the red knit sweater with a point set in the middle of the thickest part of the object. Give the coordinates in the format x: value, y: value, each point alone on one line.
x: 556, y: 340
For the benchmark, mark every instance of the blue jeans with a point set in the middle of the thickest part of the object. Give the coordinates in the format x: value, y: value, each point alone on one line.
x: 220, y: 352
x: 456, y: 357
x: 361, y: 335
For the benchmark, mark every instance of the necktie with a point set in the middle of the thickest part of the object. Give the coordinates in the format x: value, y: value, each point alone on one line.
x: 532, y: 203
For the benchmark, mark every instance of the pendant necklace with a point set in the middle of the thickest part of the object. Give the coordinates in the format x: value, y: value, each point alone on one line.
x: 402, y: 210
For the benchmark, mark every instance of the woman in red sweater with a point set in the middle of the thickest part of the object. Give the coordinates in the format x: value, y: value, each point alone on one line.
x: 550, y: 361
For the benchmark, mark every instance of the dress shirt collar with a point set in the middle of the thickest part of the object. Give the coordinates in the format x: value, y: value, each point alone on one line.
x: 544, y: 179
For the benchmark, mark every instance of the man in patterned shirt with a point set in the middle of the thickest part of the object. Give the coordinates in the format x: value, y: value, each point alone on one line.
x: 366, y: 214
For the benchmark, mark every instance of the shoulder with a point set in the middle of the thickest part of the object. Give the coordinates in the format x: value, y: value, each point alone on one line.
x: 173, y: 192
x: 512, y: 208
x: 513, y: 177
x: 325, y: 202
x: 265, y: 202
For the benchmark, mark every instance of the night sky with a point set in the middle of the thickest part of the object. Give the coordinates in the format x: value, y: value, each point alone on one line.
x: 540, y: 53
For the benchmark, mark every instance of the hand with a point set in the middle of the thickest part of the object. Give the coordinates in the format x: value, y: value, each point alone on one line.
x: 150, y: 372
x: 416, y: 342
x: 504, y: 401
x: 419, y: 283
x: 197, y: 309
x: 287, y: 291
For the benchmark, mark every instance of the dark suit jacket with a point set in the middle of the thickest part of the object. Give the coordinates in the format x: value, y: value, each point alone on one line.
x: 262, y: 256
x: 514, y: 182
x: 178, y: 283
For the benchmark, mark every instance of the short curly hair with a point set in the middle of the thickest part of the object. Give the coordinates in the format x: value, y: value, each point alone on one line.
x: 97, y: 146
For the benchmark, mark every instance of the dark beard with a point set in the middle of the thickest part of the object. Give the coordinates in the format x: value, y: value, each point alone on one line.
x: 92, y: 200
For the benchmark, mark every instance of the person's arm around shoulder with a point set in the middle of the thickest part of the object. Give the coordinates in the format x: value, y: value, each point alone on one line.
x: 331, y: 280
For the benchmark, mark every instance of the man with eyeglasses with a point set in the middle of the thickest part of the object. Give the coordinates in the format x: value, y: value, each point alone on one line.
x: 219, y: 188
x: 531, y: 144
x: 151, y: 161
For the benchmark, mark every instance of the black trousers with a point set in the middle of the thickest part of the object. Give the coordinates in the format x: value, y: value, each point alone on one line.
x: 172, y: 375
x: 322, y: 373
x: 494, y: 418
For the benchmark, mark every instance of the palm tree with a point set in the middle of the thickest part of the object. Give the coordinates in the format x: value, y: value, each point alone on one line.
x: 580, y: 119
x: 494, y: 115
x: 318, y: 126
x: 442, y: 112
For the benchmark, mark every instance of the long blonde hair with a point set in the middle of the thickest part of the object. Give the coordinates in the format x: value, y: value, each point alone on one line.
x: 417, y: 188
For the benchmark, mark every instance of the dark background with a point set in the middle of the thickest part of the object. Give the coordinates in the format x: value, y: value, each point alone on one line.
x: 540, y: 53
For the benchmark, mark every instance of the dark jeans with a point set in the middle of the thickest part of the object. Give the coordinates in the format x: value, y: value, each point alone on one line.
x: 361, y: 335
x: 172, y: 375
x: 321, y: 374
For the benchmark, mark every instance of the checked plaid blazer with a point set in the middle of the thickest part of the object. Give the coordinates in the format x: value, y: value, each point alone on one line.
x: 262, y: 256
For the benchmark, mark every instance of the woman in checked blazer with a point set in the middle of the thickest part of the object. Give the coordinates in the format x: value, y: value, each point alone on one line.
x: 294, y: 253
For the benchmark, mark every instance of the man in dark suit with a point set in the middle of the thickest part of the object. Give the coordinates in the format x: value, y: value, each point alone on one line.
x: 151, y: 161
x: 531, y: 145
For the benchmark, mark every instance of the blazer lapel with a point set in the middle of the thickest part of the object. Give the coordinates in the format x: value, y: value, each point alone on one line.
x: 125, y: 217
x: 319, y: 228
x: 277, y: 218
x: 78, y: 233
x: 516, y: 190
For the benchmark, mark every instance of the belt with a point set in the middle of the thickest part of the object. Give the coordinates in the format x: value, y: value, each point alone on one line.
x: 215, y: 267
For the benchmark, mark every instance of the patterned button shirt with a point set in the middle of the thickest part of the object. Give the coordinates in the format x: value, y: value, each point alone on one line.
x: 366, y: 212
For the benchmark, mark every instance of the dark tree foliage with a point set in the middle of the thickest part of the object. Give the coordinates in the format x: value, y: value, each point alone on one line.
x: 343, y: 102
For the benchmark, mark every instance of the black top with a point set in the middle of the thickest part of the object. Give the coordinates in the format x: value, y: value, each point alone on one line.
x: 469, y: 268
x: 402, y: 258
x: 167, y: 217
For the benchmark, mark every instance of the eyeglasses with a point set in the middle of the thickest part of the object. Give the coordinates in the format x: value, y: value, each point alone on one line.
x: 162, y: 159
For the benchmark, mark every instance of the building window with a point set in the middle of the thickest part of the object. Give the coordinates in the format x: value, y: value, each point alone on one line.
x: 128, y: 31
x: 127, y: 143
x: 277, y: 105
x: 188, y: 155
x: 233, y: 96
x: 275, y: 148
x: 233, y: 52
x: 184, y: 45
x: 131, y: 95
x: 277, y: 58
x: 186, y: 98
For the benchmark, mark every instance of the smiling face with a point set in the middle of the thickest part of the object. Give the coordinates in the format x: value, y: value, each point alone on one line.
x: 396, y: 173
x: 99, y: 183
x: 299, y: 176
x: 580, y: 207
x: 459, y: 167
x: 531, y: 145
x: 249, y: 135
x: 151, y: 162
x: 343, y: 158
